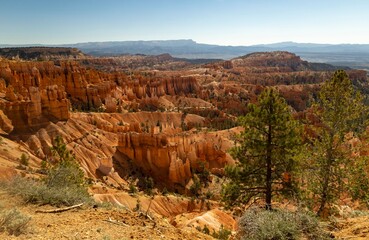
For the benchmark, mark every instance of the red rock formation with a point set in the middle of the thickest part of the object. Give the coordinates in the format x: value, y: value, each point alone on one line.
x: 5, y: 123
x: 282, y: 61
x: 170, y: 159
x: 135, y: 62
x: 35, y: 108
x: 230, y: 88
x: 214, y: 219
x: 103, y: 142
x: 36, y: 92
x: 168, y: 206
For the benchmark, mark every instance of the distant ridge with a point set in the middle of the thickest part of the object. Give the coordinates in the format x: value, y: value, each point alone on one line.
x: 41, y: 53
x: 352, y: 55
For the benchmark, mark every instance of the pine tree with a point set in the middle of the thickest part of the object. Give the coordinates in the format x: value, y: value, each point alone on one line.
x: 265, y: 152
x: 339, y: 110
x: 66, y: 172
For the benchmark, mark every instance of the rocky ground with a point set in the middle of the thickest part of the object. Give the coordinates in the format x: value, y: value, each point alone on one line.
x: 108, y: 222
x: 93, y: 223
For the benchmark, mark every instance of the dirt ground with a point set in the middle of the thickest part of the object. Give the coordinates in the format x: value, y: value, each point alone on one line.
x: 101, y: 223
x: 108, y: 223
x: 353, y: 228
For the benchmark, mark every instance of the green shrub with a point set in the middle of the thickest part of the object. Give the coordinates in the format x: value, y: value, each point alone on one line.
x: 36, y: 191
x: 209, y: 194
x: 165, y: 191
x: 13, y: 221
x: 206, y: 230
x: 222, y: 234
x: 132, y: 189
x: 202, y: 173
x: 64, y: 183
x: 24, y: 159
x: 259, y: 224
x: 138, y: 206
x: 65, y: 174
x: 196, y: 186
x: 148, y: 183
x: 43, y: 169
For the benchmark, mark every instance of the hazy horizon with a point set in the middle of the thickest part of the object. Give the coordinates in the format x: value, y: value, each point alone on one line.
x: 153, y: 40
x: 219, y: 22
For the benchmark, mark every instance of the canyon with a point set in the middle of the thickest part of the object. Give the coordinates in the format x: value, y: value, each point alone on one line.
x: 133, y: 117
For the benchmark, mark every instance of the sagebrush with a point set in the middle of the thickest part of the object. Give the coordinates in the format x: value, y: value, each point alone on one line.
x: 64, y: 183
x: 36, y: 191
x: 259, y: 224
x: 13, y: 221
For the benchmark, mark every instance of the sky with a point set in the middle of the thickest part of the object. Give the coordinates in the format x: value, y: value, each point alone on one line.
x: 222, y: 22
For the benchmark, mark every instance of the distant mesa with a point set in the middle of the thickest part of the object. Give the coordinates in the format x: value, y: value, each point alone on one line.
x: 281, y: 59
x: 41, y: 53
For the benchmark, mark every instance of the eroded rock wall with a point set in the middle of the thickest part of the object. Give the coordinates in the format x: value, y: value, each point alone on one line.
x: 171, y: 159
x: 38, y: 92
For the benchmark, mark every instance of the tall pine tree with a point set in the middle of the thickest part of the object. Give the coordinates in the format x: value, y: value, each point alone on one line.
x: 339, y: 115
x: 265, y: 152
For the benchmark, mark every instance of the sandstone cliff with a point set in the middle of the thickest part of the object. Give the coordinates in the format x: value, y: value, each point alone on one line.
x: 37, y: 92
x: 172, y: 159
x: 105, y: 143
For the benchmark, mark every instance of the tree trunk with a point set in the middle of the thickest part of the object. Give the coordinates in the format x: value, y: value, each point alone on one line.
x: 324, y: 196
x: 325, y: 187
x: 326, y: 180
x: 268, y: 189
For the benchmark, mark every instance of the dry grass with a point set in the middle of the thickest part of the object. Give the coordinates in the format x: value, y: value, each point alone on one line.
x: 13, y: 221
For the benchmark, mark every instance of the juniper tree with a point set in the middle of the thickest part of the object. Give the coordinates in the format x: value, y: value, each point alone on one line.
x: 340, y: 115
x: 264, y: 153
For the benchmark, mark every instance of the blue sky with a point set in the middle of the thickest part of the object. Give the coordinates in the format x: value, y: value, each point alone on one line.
x: 225, y: 22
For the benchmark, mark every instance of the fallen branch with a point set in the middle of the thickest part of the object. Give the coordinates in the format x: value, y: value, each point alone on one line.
x: 116, y: 222
x: 140, y: 213
x: 150, y: 218
x: 59, y: 209
x: 147, y: 211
